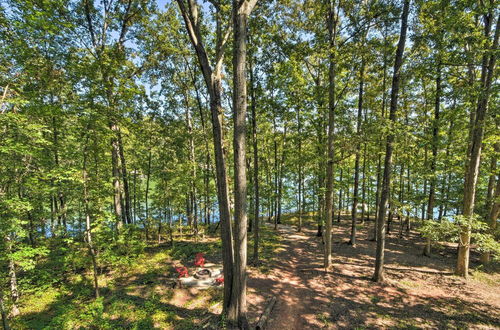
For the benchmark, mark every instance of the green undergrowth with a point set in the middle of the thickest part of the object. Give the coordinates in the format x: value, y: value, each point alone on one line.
x: 135, y: 293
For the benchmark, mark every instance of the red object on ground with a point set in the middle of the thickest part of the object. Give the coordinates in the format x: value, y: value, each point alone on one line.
x: 183, y: 272
x: 219, y: 280
x: 199, y: 261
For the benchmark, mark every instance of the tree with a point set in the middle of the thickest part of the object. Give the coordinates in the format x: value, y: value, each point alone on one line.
x: 476, y: 140
x: 212, y: 74
x: 384, y: 198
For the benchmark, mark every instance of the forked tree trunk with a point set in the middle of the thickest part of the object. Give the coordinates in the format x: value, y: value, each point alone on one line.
x: 213, y: 81
x: 379, y: 257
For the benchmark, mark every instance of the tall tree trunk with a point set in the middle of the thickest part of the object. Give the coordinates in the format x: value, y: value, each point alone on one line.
x: 207, y: 171
x: 341, y: 190
x: 192, y: 214
x: 134, y: 219
x: 363, y: 188
x: 281, y: 171
x: 358, y: 155
x: 14, y: 291
x: 476, y: 140
x: 117, y: 190
x: 379, y: 257
x: 493, y: 216
x: 425, y: 186
x: 61, y: 213
x: 3, y: 312
x: 276, y: 178
x: 124, y: 173
x: 435, y: 149
x: 380, y: 141
x: 408, y: 191
x: 88, y: 228
x: 494, y: 200
x: 238, y: 309
x: 333, y: 18
x: 300, y: 183
x: 146, y: 195
x: 256, y: 215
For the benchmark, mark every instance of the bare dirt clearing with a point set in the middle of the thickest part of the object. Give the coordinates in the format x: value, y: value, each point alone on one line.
x: 421, y: 292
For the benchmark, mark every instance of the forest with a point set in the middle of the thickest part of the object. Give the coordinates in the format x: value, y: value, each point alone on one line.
x: 249, y: 164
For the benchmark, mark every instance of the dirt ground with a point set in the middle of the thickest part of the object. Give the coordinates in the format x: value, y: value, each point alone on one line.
x: 420, y: 292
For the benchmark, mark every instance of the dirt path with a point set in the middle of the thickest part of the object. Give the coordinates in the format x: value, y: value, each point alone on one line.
x: 421, y: 292
x: 293, y: 281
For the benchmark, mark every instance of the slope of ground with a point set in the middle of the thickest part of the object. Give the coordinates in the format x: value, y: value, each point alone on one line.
x: 421, y: 292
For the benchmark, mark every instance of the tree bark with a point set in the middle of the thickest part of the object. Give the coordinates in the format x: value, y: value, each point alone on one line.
x: 379, y: 163
x: 476, y: 140
x: 435, y: 149
x: 14, y: 291
x: 124, y: 173
x: 379, y: 275
x: 332, y: 35
x: 88, y: 227
x: 255, y: 169
x: 300, y: 183
x: 3, y: 312
x: 358, y: 155
x: 238, y: 308
x: 115, y: 168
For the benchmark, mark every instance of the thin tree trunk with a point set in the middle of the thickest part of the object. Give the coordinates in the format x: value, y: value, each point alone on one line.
x: 192, y: 214
x: 341, y: 205
x: 148, y: 176
x: 14, y: 291
x: 126, y: 190
x: 88, y: 228
x: 332, y: 22
x: 280, y: 180
x: 435, y: 146
x: 3, y: 312
x: 363, y: 188
x: 493, y: 216
x: 61, y: 214
x: 255, y: 168
x: 358, y: 155
x: 494, y: 200
x: 300, y: 183
x: 380, y: 142
x: 276, y: 178
x: 117, y: 191
x: 134, y: 219
x: 425, y: 186
x: 379, y: 257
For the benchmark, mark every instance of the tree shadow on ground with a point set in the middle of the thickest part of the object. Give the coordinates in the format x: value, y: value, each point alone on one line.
x: 347, y: 298
x: 138, y: 304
